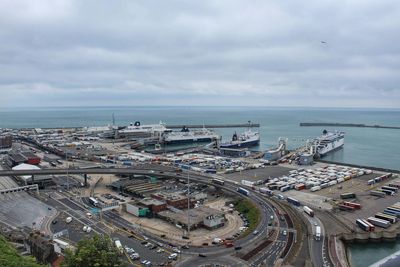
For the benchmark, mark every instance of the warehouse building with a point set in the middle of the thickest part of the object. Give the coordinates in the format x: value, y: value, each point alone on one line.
x: 5, y: 141
x: 41, y: 180
x: 137, y: 210
x: 16, y: 158
x: 199, y: 217
x: 154, y: 205
x: 174, y: 199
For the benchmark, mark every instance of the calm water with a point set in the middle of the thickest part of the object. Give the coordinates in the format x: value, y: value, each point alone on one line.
x: 366, y: 146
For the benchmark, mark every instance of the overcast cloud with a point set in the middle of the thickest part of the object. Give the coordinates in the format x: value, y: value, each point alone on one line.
x: 264, y: 53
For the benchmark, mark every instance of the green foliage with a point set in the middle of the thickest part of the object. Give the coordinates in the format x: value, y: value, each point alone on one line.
x: 98, y: 251
x: 9, y: 256
x: 251, y: 212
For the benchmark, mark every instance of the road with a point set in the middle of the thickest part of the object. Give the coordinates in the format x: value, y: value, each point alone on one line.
x: 272, y: 252
x: 318, y: 248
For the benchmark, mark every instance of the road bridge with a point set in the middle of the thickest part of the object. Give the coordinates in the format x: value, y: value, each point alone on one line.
x: 85, y: 172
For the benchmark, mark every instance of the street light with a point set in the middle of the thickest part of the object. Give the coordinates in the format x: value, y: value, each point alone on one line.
x: 188, y: 202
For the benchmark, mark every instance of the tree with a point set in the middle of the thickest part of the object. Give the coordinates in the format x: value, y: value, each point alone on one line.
x: 9, y: 256
x: 98, y: 251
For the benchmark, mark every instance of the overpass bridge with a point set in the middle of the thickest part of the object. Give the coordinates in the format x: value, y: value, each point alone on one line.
x: 85, y: 172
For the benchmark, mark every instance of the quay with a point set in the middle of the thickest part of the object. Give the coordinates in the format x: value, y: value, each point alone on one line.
x: 335, y: 124
x: 235, y: 125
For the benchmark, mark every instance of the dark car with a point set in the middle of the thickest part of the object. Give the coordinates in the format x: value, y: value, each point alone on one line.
x: 238, y: 248
x: 54, y: 222
x: 202, y: 255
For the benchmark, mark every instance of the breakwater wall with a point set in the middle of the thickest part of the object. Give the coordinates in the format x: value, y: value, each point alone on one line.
x: 172, y: 126
x: 337, y: 124
x: 235, y: 125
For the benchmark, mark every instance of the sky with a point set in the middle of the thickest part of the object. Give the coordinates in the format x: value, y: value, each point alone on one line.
x: 215, y: 53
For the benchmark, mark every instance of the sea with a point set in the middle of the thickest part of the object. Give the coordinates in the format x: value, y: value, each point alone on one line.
x: 363, y: 146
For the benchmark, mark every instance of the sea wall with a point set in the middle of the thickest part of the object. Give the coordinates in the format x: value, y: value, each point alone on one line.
x: 365, y: 237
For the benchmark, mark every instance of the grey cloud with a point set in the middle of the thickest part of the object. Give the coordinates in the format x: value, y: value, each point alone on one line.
x: 174, y: 52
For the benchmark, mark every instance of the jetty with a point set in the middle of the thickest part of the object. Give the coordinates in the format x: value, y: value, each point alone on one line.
x: 235, y: 125
x: 337, y: 124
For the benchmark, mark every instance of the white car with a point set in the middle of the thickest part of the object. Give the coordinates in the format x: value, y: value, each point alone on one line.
x: 176, y: 250
x: 160, y: 250
x: 284, y: 232
x: 134, y: 256
x: 173, y: 256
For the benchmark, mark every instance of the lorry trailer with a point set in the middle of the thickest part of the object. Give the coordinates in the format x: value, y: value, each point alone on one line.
x: 309, y: 211
x: 363, y: 225
x: 379, y: 222
x: 243, y: 191
x: 293, y: 201
x: 386, y: 217
x: 347, y: 195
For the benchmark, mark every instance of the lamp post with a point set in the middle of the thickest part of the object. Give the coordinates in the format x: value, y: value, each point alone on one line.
x: 188, y: 203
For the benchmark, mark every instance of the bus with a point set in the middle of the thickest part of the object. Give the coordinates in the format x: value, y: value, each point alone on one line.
x: 93, y: 201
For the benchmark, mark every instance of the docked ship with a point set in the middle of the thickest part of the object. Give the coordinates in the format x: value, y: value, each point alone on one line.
x: 190, y: 136
x: 246, y: 139
x: 136, y: 130
x: 328, y: 142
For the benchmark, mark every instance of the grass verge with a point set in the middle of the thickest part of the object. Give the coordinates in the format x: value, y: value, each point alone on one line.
x: 250, y: 211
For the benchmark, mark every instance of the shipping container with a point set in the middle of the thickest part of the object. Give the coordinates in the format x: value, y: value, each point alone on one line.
x: 347, y: 195
x: 309, y: 211
x: 377, y: 193
x: 389, y: 218
x: 379, y: 222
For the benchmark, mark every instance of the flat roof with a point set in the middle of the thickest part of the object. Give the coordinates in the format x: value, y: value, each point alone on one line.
x: 151, y: 201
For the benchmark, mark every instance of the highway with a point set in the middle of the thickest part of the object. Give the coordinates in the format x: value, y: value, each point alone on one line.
x: 270, y: 254
x: 318, y: 248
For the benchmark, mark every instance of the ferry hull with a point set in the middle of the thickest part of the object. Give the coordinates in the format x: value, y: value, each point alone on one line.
x: 241, y: 145
x: 189, y: 141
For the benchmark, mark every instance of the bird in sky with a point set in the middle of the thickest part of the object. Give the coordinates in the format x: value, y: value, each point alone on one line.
x: 323, y: 42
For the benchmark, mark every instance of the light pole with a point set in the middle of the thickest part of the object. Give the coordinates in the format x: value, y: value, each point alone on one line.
x: 188, y: 202
x: 66, y: 158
